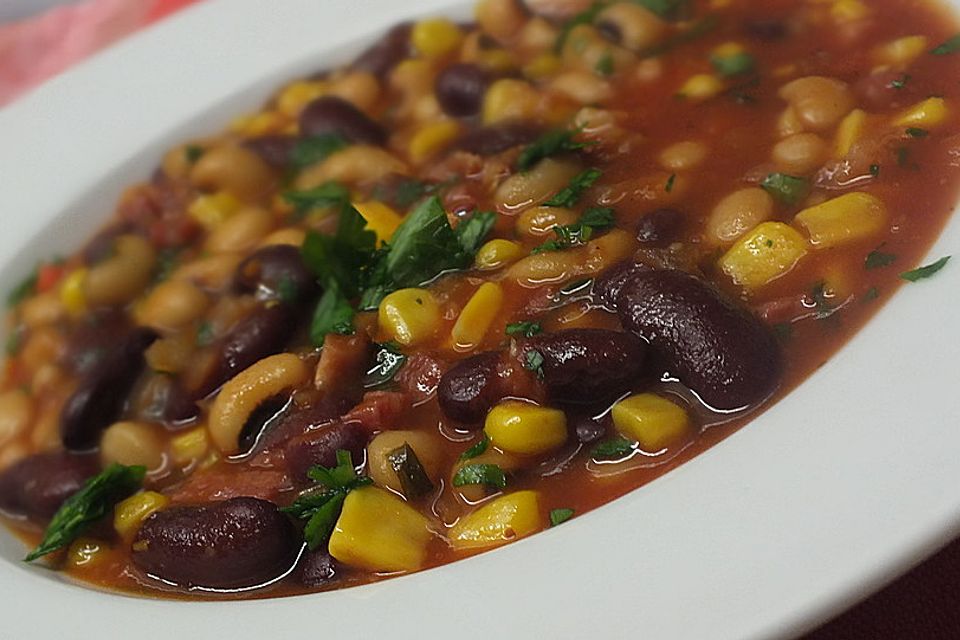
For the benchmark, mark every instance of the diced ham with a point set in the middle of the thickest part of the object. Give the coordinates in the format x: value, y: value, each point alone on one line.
x: 343, y: 361
x: 420, y: 376
x: 379, y: 410
x: 216, y: 485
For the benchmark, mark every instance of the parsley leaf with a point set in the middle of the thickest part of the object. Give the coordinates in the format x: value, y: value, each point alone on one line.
x: 193, y: 152
x: 875, y: 170
x: 93, y: 501
x: 333, y: 314
x: 389, y: 360
x: 489, y: 475
x: 205, y: 334
x: 571, y: 235
x: 877, y: 259
x: 614, y: 448
x: 476, y: 449
x: 549, y: 144
x: 527, y: 329
x: 23, y: 290
x: 584, y: 17
x: 664, y: 8
x: 950, y: 46
x: 559, y: 516
x: 669, y: 186
x: 925, y: 271
x: 915, y: 132
x: 900, y: 82
x: 569, y: 195
x: 315, y: 149
x: 871, y: 294
x: 733, y: 65
x: 605, y: 65
x: 328, y: 194
x: 533, y: 361
x: 786, y: 188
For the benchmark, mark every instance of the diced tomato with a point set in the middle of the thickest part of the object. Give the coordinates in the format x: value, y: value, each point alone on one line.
x: 48, y: 276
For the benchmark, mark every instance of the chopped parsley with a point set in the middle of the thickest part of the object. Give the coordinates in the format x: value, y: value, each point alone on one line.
x: 488, y: 475
x: 329, y: 194
x: 733, y: 65
x: 571, y: 235
x: 668, y: 187
x: 205, y: 334
x: 559, y: 516
x: 320, y: 506
x: 900, y: 82
x: 23, y: 290
x: 871, y: 294
x: 528, y: 329
x: 786, y: 188
x: 333, y: 314
x: 95, y: 499
x: 664, y: 8
x: 946, y: 48
x: 569, y: 195
x: 605, y: 65
x: 389, y: 360
x: 316, y: 149
x: 547, y: 145
x: 877, y: 259
x: 926, y: 271
x: 875, y: 170
x: 193, y: 152
x: 614, y: 448
x: 903, y: 156
x: 915, y: 132
x: 478, y: 448
x: 533, y: 361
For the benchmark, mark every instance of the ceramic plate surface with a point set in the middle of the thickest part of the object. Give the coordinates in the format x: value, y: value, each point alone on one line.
x: 847, y: 482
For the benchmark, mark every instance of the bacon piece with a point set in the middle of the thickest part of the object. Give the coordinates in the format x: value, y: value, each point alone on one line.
x: 343, y: 361
x: 216, y: 485
x: 420, y: 376
x: 379, y: 410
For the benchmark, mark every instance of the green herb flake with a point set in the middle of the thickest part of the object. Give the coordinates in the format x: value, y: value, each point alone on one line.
x: 950, y: 46
x: 533, y: 361
x: 669, y: 9
x: 95, y: 499
x: 389, y: 360
x: 733, y: 65
x: 309, y: 151
x: 877, y: 259
x: 915, y: 132
x: 328, y: 194
x: 584, y: 17
x: 193, y: 152
x: 926, y: 271
x: 559, y: 516
x: 205, y: 334
x: 569, y: 195
x: 786, y: 188
x: 605, y: 65
x: 527, y: 329
x: 547, y: 145
x: 23, y: 290
x: 612, y: 449
x: 875, y: 170
x: 489, y: 475
x: 669, y: 186
x: 478, y: 448
x: 903, y: 156
x: 333, y: 314
x: 871, y: 294
x: 900, y: 82
x: 571, y: 235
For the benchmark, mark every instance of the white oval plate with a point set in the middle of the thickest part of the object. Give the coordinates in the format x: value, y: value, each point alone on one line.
x: 841, y: 486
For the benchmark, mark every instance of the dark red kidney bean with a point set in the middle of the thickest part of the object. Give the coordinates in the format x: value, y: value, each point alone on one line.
x: 103, y: 390
x: 713, y: 346
x: 165, y: 400
x: 277, y: 271
x: 332, y: 115
x: 320, y: 446
x: 262, y: 333
x: 36, y: 486
x: 91, y: 339
x: 488, y: 141
x: 459, y: 89
x: 582, y: 366
x: 318, y: 569
x: 660, y: 228
x: 470, y: 388
x: 275, y: 150
x: 383, y: 56
x: 587, y: 429
x: 237, y: 543
x: 606, y: 288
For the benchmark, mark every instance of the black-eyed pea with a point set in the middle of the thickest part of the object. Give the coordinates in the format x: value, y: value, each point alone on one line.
x: 801, y: 153
x: 121, y: 278
x: 500, y: 18
x: 558, y: 9
x: 241, y: 231
x: 178, y: 162
x: 737, y: 213
x: 532, y: 187
x: 632, y: 26
x: 593, y: 258
x: 582, y: 86
x: 171, y: 305
x: 16, y: 412
x: 537, y: 36
x: 381, y: 457
x: 818, y: 102
x: 357, y: 164
x: 211, y: 273
x: 234, y: 169
x: 132, y: 443
x: 684, y: 156
x: 540, y: 221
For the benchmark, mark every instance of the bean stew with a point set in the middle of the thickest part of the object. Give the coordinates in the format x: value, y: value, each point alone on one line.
x: 485, y: 278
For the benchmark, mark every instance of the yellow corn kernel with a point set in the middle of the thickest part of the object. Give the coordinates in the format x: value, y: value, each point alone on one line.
x: 849, y: 132
x: 380, y: 217
x: 849, y: 10
x: 496, y: 60
x: 298, y: 95
x: 378, y: 531
x: 728, y: 50
x: 847, y: 218
x: 543, y: 66
x: 702, y: 86
x: 436, y: 37
x: 928, y: 114
x: 85, y: 552
x: 502, y: 520
x: 259, y: 124
x: 764, y: 254
x: 497, y: 253
x: 524, y: 428
x: 211, y: 210
x: 432, y: 139
x: 477, y: 316
x: 509, y: 99
x: 654, y: 422
x: 72, y: 294
x: 132, y: 512
x: 189, y: 446
x: 410, y: 316
x: 901, y: 51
